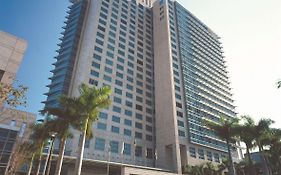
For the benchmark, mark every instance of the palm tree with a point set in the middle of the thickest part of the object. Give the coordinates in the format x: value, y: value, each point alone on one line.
x: 261, y: 134
x: 195, y: 170
x: 271, y: 139
x: 61, y: 125
x: 87, y: 107
x: 245, y: 132
x: 39, y: 137
x: 275, y: 156
x: 225, y: 130
x: 206, y: 168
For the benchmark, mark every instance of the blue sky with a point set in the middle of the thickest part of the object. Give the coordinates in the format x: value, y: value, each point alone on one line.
x: 38, y: 22
x: 250, y: 32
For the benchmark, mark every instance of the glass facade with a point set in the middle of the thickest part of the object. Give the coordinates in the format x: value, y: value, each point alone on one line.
x: 205, y: 81
x: 7, y: 141
x: 62, y: 73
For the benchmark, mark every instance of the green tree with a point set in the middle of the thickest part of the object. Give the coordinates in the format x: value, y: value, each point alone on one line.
x: 87, y: 107
x: 20, y: 155
x: 64, y: 118
x: 262, y: 134
x: 225, y: 130
x: 206, y: 168
x: 246, y: 134
x: 39, y: 137
x: 12, y: 95
x: 271, y: 139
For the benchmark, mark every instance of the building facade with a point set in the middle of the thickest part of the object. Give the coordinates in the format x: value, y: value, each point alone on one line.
x: 14, y: 124
x: 12, y: 50
x: 167, y: 73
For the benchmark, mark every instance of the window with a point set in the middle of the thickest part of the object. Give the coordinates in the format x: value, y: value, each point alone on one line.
x: 108, y: 62
x: 109, y: 54
x: 22, y: 129
x: 107, y: 69
x: 95, y: 73
x: 98, y: 49
x: 201, y: 154
x: 181, y: 133
x: 114, y: 146
x: 97, y: 57
x: 148, y: 128
x: 139, y: 116
x: 138, y: 135
x: 138, y: 151
x: 127, y: 132
x: 209, y: 156
x: 118, y: 82
x: 138, y: 125
x: 103, y: 115
x: 180, y: 123
x: 93, y: 82
x: 129, y: 95
x: 87, y: 143
x: 116, y: 119
x: 128, y: 122
x: 100, y: 144
x: 149, y: 119
x: 139, y: 91
x: 13, y: 123
x: 107, y: 78
x: 118, y: 91
x: 118, y: 74
x: 127, y: 149
x: 120, y: 59
x: 120, y: 67
x: 148, y: 137
x: 129, y: 87
x: 100, y: 42
x: 101, y: 126
x: 115, y: 129
x: 149, y: 153
x: 117, y: 100
x: 129, y: 104
x: 217, y: 157
x: 116, y: 109
x: 192, y: 152
x: 139, y: 107
x: 128, y: 113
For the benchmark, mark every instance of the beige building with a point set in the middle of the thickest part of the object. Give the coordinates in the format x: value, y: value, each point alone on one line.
x: 12, y: 50
x: 14, y: 124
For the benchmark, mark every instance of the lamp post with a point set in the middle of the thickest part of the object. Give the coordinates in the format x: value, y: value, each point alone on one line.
x: 49, y: 157
x: 108, y: 159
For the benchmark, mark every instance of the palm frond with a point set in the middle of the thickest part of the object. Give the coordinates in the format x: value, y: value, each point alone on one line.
x: 279, y: 84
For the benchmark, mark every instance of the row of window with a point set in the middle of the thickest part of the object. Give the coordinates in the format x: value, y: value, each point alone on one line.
x: 201, y: 154
x: 123, y: 148
x: 103, y: 126
x: 104, y: 116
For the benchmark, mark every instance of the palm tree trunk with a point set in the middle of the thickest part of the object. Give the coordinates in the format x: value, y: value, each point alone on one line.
x: 60, y: 157
x: 252, y: 168
x: 39, y: 161
x: 231, y: 164
x: 30, y: 165
x: 79, y: 158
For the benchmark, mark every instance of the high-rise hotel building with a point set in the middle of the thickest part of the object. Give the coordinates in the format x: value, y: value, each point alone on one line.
x: 167, y: 74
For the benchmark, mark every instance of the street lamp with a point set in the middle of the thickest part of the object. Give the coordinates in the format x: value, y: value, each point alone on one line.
x: 48, y: 163
x: 108, y: 159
